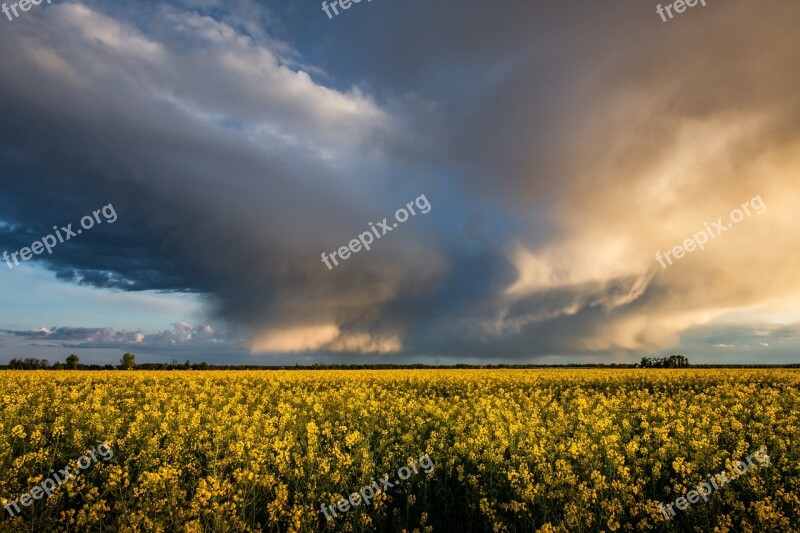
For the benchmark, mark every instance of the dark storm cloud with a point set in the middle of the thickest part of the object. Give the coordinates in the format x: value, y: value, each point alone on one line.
x: 240, y: 211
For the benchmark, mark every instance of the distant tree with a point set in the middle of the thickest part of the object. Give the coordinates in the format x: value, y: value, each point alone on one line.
x: 128, y: 361
x: 29, y: 363
x: 673, y: 361
x: 677, y: 361
x: 58, y: 366
x: 72, y: 362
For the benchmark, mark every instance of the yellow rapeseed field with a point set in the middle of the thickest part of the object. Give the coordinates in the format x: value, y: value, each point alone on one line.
x: 514, y: 450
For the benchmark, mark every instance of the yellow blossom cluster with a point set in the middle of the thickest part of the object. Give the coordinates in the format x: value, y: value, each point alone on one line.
x: 515, y: 450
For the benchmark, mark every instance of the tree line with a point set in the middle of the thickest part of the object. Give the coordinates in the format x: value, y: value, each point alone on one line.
x: 128, y: 362
x: 673, y: 361
x: 72, y: 362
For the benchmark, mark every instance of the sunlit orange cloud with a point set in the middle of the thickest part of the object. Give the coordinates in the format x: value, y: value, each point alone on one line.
x: 323, y: 337
x: 610, y: 233
x: 295, y: 339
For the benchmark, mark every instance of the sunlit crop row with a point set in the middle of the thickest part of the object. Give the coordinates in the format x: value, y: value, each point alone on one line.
x: 514, y: 450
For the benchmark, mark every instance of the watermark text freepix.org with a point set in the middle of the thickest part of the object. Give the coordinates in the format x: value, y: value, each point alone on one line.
x: 718, y: 481
x: 700, y: 239
x: 344, y: 4
x: 366, y: 238
x: 49, y: 485
x: 679, y: 6
x: 368, y: 493
x: 24, y: 5
x: 64, y: 234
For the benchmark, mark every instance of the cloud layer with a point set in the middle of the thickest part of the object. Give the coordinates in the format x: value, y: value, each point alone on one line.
x: 560, y: 146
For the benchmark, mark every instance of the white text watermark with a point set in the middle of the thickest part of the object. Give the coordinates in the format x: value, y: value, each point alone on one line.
x: 57, y: 479
x: 701, y: 238
x: 24, y: 5
x: 64, y: 234
x: 718, y: 481
x: 679, y: 6
x: 368, y: 493
x: 366, y: 239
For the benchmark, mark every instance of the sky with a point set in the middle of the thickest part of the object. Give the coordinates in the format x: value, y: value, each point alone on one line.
x: 537, y: 182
